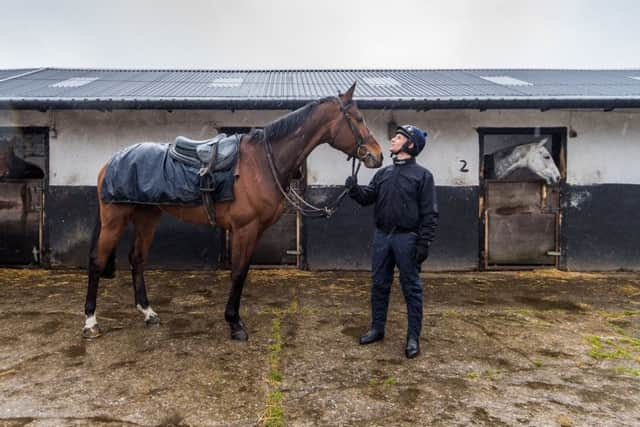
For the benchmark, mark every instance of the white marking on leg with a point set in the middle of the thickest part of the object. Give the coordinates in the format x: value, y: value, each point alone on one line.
x: 90, y: 322
x: 148, y: 312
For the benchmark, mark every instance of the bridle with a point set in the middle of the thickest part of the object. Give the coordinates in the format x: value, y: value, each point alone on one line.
x: 360, y: 141
x: 305, y: 208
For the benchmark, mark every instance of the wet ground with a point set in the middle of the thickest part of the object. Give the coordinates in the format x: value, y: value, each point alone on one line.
x: 534, y: 348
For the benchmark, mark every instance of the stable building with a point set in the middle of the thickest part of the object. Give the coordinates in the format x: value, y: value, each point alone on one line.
x: 59, y: 126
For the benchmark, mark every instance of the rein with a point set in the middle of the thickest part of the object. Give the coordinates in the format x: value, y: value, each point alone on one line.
x: 305, y: 208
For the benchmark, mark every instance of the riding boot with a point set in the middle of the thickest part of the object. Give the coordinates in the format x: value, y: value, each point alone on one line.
x: 371, y: 336
x: 412, y: 348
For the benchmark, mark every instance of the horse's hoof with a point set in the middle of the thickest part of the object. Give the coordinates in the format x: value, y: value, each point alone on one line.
x: 237, y: 332
x: 240, y: 335
x: 152, y: 321
x: 91, y: 333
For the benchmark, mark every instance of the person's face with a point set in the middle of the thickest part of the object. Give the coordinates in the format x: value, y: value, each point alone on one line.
x: 397, y: 142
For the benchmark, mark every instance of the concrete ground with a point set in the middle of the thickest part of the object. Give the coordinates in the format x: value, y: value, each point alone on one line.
x: 533, y: 348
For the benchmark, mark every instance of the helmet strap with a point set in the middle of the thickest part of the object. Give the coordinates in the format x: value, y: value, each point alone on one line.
x: 405, y: 147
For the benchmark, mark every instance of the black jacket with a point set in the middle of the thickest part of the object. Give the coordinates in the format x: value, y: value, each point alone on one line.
x: 405, y: 199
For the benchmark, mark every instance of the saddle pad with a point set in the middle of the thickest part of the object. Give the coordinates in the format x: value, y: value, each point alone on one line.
x: 145, y: 174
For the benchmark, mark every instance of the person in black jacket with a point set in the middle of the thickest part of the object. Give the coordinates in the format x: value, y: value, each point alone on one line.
x: 406, y: 218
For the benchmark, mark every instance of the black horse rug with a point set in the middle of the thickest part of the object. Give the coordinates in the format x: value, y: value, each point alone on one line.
x: 148, y: 173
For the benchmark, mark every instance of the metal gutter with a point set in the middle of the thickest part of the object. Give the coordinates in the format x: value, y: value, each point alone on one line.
x: 487, y: 103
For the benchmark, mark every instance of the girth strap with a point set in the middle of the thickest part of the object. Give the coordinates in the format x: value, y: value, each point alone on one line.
x: 206, y: 189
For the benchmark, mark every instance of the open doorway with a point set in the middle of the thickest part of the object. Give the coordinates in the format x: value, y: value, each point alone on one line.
x: 23, y: 171
x: 520, y: 210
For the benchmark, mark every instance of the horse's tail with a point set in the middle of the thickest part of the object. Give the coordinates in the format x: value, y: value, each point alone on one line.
x: 109, y: 271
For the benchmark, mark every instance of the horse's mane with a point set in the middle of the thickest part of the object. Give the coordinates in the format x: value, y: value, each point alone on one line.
x: 504, y: 152
x: 287, y: 124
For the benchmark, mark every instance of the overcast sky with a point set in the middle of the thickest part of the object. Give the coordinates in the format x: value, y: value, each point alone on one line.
x: 294, y: 34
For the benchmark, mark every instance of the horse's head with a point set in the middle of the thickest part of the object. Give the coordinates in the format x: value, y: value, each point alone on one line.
x: 540, y: 162
x: 350, y: 134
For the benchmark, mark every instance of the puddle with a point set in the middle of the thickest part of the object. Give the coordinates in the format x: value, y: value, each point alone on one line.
x: 354, y: 331
x: 47, y: 328
x: 409, y: 396
x: 76, y: 351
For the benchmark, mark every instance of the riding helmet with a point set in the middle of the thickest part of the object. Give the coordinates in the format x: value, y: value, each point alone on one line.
x: 415, y: 135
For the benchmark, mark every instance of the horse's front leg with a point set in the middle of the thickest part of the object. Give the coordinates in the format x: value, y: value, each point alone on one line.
x: 243, y: 243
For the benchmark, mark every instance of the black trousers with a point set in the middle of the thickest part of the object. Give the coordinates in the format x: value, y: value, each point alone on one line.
x: 391, y: 250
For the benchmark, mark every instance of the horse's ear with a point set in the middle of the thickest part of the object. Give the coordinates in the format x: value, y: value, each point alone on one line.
x: 346, y: 98
x: 543, y: 143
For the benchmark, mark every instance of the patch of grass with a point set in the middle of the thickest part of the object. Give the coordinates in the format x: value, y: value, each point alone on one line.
x: 374, y: 382
x: 274, y: 413
x: 608, y: 348
x: 275, y: 396
x: 632, y: 342
x: 492, y: 373
x: 617, y: 329
x: 623, y: 370
x: 538, y: 363
x: 275, y: 375
x: 390, y: 381
x: 631, y: 312
x: 450, y: 313
x: 488, y: 373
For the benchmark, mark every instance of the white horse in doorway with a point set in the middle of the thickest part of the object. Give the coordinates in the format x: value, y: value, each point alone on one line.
x: 533, y: 157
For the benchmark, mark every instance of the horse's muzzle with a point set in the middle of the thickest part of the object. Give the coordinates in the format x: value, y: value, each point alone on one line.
x: 371, y: 161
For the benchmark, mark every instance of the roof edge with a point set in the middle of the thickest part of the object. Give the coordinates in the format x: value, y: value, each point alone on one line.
x: 40, y: 104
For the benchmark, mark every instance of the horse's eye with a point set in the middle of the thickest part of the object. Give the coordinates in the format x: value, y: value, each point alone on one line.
x: 547, y: 157
x: 359, y: 119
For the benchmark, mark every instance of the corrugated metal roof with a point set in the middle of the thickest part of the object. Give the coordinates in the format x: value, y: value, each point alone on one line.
x: 419, y: 89
x: 9, y: 74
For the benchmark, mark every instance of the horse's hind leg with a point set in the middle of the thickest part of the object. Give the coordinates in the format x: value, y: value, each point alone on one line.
x: 145, y: 219
x: 113, y: 220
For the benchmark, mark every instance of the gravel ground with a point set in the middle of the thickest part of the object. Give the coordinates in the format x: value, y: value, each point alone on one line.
x: 540, y: 348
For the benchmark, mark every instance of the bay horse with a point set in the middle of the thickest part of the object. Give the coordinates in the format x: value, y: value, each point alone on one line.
x: 275, y: 152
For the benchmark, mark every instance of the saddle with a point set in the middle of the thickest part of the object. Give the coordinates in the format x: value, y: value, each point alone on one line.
x: 210, y: 155
x: 215, y: 159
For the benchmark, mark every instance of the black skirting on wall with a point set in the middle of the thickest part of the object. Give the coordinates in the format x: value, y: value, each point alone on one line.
x: 601, y: 227
x: 344, y: 240
x: 600, y: 231
x: 71, y: 213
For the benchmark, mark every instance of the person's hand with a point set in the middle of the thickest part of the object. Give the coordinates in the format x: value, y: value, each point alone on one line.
x: 351, y: 182
x: 422, y: 253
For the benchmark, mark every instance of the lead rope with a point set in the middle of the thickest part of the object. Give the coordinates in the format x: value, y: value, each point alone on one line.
x: 297, y: 200
x: 336, y: 204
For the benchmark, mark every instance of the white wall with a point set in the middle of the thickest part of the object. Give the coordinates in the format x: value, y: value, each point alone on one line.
x: 85, y: 140
x: 606, y: 149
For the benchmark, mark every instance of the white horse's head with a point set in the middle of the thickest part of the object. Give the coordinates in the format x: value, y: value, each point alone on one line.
x: 540, y: 162
x: 535, y: 157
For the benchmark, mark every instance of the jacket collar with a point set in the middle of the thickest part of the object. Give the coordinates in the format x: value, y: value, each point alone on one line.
x: 403, y: 162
